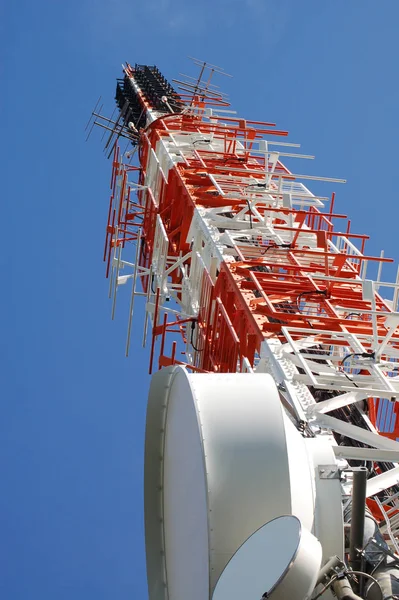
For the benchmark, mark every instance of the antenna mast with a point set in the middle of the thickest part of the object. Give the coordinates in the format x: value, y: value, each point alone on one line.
x: 245, y: 271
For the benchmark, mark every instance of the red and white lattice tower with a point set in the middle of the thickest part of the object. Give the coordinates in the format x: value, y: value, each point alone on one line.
x: 278, y: 356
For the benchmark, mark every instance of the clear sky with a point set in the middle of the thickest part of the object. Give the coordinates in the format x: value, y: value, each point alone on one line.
x: 72, y: 407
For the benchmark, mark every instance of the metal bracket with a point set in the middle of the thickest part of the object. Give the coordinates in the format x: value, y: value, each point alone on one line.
x: 329, y: 472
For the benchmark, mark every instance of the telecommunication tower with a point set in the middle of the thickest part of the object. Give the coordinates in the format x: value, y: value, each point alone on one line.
x: 271, y: 458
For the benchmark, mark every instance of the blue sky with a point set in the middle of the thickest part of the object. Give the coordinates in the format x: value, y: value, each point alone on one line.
x: 73, y: 408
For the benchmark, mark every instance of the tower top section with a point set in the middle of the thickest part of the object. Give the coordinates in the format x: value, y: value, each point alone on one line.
x: 143, y: 95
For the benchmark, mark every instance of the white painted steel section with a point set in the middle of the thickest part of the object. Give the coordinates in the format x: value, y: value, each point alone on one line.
x: 355, y: 433
x: 159, y: 256
x: 366, y: 454
x: 383, y: 481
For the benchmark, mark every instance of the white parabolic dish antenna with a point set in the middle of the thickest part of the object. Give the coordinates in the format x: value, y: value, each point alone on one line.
x: 280, y: 560
x: 222, y: 459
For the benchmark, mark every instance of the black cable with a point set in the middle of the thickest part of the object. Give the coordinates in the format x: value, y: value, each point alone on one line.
x: 325, y: 588
x: 362, y: 355
x: 309, y: 293
x: 362, y: 574
x: 349, y: 379
x: 138, y: 120
x: 202, y: 141
x: 263, y: 252
x: 230, y: 160
x: 250, y: 212
x: 260, y: 186
x: 152, y: 281
x: 193, y: 323
x: 341, y: 362
x: 142, y: 247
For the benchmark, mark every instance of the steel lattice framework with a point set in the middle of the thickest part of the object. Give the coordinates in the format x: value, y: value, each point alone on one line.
x: 237, y: 258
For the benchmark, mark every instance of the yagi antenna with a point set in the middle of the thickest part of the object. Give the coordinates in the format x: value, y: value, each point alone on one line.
x: 89, y: 122
x: 202, y: 86
x: 206, y: 65
x: 119, y: 128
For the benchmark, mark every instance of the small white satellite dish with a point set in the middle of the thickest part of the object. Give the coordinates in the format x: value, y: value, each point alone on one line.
x: 280, y: 560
